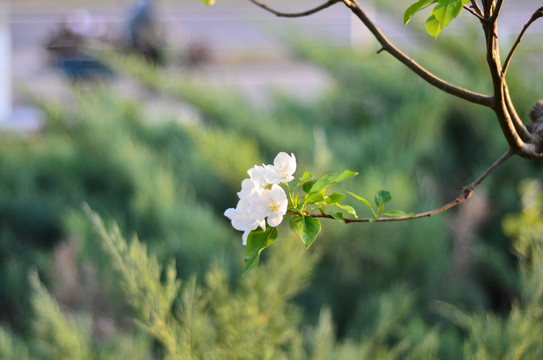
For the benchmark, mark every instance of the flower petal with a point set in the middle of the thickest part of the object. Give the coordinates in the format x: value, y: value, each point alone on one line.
x: 275, y: 219
x: 258, y: 175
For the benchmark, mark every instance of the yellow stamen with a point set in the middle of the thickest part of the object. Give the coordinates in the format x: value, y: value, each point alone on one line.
x: 274, y: 206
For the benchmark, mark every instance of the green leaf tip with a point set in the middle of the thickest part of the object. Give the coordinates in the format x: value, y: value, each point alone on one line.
x: 415, y: 8
x: 306, y: 227
x: 382, y: 197
x: 257, y: 241
x: 329, y: 179
x: 208, y: 2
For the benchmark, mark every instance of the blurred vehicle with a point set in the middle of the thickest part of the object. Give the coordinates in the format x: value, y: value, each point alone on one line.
x: 68, y: 46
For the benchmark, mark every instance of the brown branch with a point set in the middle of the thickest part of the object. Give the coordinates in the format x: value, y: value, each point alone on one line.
x: 465, y: 194
x: 496, y: 10
x: 473, y: 12
x: 391, y: 49
x: 476, y: 7
x: 487, y: 8
x: 500, y: 105
x: 520, y: 140
x: 520, y: 128
x: 294, y: 15
x: 414, y: 66
x: 537, y: 14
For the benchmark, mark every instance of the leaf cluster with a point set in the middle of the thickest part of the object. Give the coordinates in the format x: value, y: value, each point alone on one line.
x: 442, y: 14
x: 314, y: 203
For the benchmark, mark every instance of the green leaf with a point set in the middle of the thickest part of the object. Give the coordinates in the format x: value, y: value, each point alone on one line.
x: 382, y: 197
x: 314, y: 198
x: 208, y: 2
x: 347, y: 208
x: 330, y: 179
x: 442, y: 14
x: 415, y: 8
x: 305, y: 177
x: 257, y: 241
x: 395, y: 213
x: 306, y: 227
x: 307, y: 186
x: 334, y: 198
x: 364, y: 201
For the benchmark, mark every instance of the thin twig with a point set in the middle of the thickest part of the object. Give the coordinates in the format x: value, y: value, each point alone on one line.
x: 480, y: 17
x: 500, y: 105
x: 477, y: 8
x: 391, y: 49
x: 466, y: 193
x: 294, y: 15
x: 487, y: 8
x: 535, y: 16
x: 496, y: 11
x: 521, y: 129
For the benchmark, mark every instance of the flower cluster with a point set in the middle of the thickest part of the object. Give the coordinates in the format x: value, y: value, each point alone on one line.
x: 261, y: 196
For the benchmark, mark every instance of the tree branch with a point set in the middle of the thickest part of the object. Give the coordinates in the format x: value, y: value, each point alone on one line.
x: 414, y: 66
x: 537, y: 14
x: 487, y: 8
x: 477, y: 15
x: 391, y: 49
x: 476, y: 7
x: 294, y: 15
x: 520, y: 128
x: 465, y: 194
x: 496, y: 10
x: 520, y: 140
x: 500, y: 105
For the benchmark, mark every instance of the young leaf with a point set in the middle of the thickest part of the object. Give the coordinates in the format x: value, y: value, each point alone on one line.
x: 382, y: 197
x: 306, y: 227
x: 305, y: 177
x: 208, y: 2
x: 330, y: 179
x: 395, y: 213
x: 257, y: 241
x: 364, y: 201
x: 442, y: 14
x: 347, y: 208
x: 314, y: 198
x: 415, y: 8
x: 334, y: 198
x: 307, y: 186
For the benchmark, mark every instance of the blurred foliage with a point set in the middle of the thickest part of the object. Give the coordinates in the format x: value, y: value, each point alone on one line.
x: 413, y: 290
x: 254, y: 319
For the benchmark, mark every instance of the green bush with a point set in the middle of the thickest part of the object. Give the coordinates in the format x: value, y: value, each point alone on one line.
x: 373, y: 291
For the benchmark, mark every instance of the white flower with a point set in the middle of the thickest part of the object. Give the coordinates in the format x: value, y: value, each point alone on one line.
x: 256, y: 202
x: 258, y: 176
x: 272, y: 204
x: 248, y: 189
x: 282, y: 169
x: 242, y: 220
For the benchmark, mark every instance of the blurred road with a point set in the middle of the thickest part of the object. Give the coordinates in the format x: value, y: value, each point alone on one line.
x: 244, y: 41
